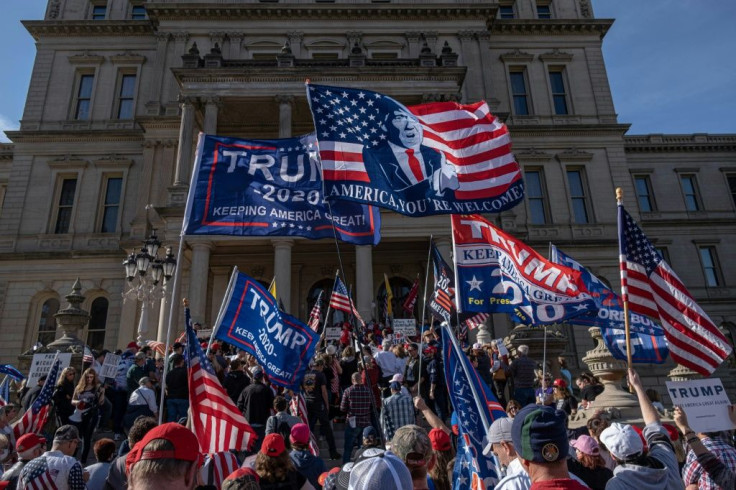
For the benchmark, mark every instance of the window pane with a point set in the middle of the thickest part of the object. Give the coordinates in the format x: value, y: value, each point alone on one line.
x: 577, y: 196
x: 126, y: 109
x: 533, y: 184
x: 138, y: 13
x: 709, y: 266
x: 518, y: 89
x: 579, y: 211
x: 689, y: 190
x: 47, y: 322
x: 127, y: 86
x: 65, y: 205
x: 85, y: 86
x: 559, y: 95
x: 109, y: 219
x: 560, y: 104
x: 576, y: 183
x: 732, y: 187
x: 82, y: 110
x: 68, y: 188
x: 536, y: 211
x: 112, y: 193
x: 98, y: 12
x: 643, y: 194
x: 506, y: 12
x: 544, y: 12
x: 97, y: 323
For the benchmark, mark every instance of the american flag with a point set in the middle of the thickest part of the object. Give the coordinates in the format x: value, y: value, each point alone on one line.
x: 216, y: 421
x: 411, y: 298
x: 4, y: 391
x: 36, y: 475
x: 476, y: 321
x: 476, y: 143
x: 217, y: 467
x: 653, y: 289
x: 298, y: 408
x: 87, y: 357
x: 159, y: 347
x: 442, y: 303
x: 316, y: 314
x: 340, y: 300
x: 35, y: 417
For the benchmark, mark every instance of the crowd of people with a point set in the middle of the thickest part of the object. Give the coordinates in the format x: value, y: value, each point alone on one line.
x: 390, y: 400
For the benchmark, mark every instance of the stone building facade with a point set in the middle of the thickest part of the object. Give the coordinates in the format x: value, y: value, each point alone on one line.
x: 120, y: 89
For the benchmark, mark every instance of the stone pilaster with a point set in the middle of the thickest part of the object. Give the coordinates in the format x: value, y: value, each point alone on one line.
x: 282, y: 269
x: 364, y: 280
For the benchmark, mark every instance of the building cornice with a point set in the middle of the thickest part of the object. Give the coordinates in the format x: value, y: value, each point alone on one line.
x: 567, y: 129
x: 158, y: 12
x: 65, y: 28
x: 550, y: 26
x: 662, y: 143
x: 74, y: 136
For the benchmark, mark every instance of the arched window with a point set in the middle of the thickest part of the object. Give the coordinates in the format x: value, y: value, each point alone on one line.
x: 97, y: 323
x: 400, y: 288
x: 47, y: 322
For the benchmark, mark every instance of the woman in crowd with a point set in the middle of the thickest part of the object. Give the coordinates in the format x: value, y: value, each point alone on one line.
x: 332, y: 373
x: 499, y: 368
x: 89, y: 396
x: 63, y: 394
x: 596, y: 425
x: 142, y: 402
x: 588, y: 465
x: 563, y: 399
x: 104, y: 450
x: 443, y: 451
x: 349, y: 365
x: 274, y: 466
x: 512, y: 408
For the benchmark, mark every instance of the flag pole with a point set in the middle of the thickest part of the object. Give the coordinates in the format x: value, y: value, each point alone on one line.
x: 327, y: 315
x: 424, y: 313
x: 624, y: 285
x: 225, y: 301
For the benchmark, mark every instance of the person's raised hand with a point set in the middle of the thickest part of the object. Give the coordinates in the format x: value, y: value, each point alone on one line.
x: 419, y: 403
x: 634, y: 380
x: 680, y: 419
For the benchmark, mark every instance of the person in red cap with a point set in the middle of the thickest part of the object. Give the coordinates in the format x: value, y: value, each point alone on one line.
x: 167, y: 457
x: 274, y: 465
x: 305, y: 462
x: 28, y: 447
x: 563, y: 399
x: 242, y: 479
x: 444, y: 453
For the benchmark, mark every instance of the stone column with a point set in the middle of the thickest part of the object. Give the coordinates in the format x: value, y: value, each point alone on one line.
x: 364, y: 280
x: 198, y: 279
x: 153, y: 106
x: 211, y: 108
x: 285, y: 105
x: 163, y: 314
x: 178, y: 193
x: 282, y: 269
x: 171, y: 89
x: 236, y: 38
x: 220, y: 278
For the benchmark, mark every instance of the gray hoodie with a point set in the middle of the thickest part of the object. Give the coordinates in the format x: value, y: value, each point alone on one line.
x: 662, y: 474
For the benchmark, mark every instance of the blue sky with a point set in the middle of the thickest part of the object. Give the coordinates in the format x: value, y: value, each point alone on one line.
x: 670, y: 63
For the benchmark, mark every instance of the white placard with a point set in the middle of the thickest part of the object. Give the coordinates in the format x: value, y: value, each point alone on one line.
x: 405, y: 326
x: 42, y: 363
x: 110, y: 366
x: 502, y: 350
x: 705, y: 403
x: 333, y: 333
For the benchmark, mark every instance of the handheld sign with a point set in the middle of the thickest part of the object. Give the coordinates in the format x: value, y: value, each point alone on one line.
x: 110, y: 366
x: 333, y: 333
x: 405, y: 326
x: 704, y: 401
x: 42, y: 363
x: 502, y: 350
x: 252, y: 321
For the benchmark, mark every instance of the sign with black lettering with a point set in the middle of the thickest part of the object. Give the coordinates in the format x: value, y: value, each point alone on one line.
x: 333, y: 333
x: 42, y: 363
x: 704, y: 401
x: 110, y: 366
x: 405, y: 326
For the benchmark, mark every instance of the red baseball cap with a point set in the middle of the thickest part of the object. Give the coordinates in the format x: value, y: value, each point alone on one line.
x: 273, y: 445
x: 132, y: 345
x: 440, y: 440
x: 300, y: 434
x: 186, y: 445
x: 28, y: 441
x: 324, y: 475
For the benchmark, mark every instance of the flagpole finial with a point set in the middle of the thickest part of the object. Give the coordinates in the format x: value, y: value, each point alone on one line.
x: 619, y: 194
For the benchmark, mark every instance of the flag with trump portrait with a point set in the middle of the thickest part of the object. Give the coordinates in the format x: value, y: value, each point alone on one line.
x: 437, y: 158
x: 476, y: 408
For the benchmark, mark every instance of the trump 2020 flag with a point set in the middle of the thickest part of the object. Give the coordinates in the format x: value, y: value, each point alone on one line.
x: 647, y: 338
x: 437, y: 158
x: 269, y: 188
x: 442, y: 302
x: 498, y: 273
x: 251, y: 320
x: 476, y: 409
x: 652, y: 288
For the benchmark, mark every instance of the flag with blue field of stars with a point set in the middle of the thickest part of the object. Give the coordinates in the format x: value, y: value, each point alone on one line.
x: 37, y: 414
x: 476, y: 408
x: 442, y: 302
x: 436, y: 158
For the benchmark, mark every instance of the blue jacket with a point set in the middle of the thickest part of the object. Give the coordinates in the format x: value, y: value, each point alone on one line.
x: 309, y: 466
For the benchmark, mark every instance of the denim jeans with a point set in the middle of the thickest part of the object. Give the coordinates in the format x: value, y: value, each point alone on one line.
x: 176, y: 408
x: 350, y: 436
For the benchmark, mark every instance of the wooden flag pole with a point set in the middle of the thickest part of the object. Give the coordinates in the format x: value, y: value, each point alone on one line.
x: 624, y: 286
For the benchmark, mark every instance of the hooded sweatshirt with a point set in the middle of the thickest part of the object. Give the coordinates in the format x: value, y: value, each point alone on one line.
x: 308, y: 465
x: 662, y: 473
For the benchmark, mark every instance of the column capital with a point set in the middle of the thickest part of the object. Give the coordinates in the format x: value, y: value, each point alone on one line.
x: 186, y: 101
x: 284, y: 99
x: 201, y: 246
x: 162, y: 37
x: 282, y: 243
x: 181, y: 37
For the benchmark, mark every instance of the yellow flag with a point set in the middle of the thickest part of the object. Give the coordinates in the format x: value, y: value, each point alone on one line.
x: 272, y: 288
x: 389, y: 297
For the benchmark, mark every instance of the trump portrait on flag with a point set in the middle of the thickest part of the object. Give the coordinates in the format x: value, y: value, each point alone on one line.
x: 401, y: 160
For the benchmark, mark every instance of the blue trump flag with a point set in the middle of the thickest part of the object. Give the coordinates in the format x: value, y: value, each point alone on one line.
x: 476, y: 409
x: 648, y: 343
x: 269, y: 188
x: 437, y: 158
x: 442, y: 303
x: 496, y: 272
x: 250, y: 319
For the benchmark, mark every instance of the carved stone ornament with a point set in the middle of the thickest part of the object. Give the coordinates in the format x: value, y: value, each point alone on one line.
x: 532, y: 154
x: 575, y: 154
x: 517, y: 55
x: 555, y: 55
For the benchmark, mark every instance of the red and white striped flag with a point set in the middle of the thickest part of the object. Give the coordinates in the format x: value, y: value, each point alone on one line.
x: 298, y: 408
x: 157, y: 346
x: 216, y: 421
x: 38, y: 413
x: 87, y: 357
x: 316, y: 314
x: 411, y: 298
x: 217, y: 467
x: 653, y: 289
x: 340, y: 300
x: 476, y: 321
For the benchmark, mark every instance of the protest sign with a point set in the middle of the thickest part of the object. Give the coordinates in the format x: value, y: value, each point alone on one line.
x: 110, y: 366
x: 42, y: 363
x: 333, y: 333
x: 704, y: 401
x: 502, y: 350
x: 405, y: 326
x: 250, y: 319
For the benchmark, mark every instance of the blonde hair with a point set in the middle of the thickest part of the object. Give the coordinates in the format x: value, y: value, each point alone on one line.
x: 62, y: 376
x: 82, y: 384
x: 273, y: 469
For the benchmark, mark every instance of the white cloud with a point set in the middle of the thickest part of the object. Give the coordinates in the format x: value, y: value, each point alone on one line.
x: 6, y: 124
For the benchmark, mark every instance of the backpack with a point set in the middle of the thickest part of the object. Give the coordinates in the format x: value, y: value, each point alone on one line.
x: 283, y: 428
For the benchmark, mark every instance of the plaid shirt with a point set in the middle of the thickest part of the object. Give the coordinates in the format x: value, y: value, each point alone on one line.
x: 693, y: 472
x: 398, y: 411
x: 356, y: 402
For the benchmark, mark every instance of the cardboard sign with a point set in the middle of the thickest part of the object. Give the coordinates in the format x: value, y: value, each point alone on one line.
x: 502, y: 350
x: 405, y: 326
x: 333, y: 333
x: 42, y: 363
x: 704, y: 401
x: 110, y: 366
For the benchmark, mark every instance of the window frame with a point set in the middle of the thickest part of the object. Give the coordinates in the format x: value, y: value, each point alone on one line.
x: 102, y: 206
x: 504, y: 16
x: 544, y: 198
x: 732, y: 190
x: 122, y: 73
x: 3, y: 193
x: 523, y: 71
x: 590, y: 216
x: 104, y: 330
x: 74, y: 109
x: 697, y: 200
x: 134, y: 14
x: 59, y: 186
x: 650, y: 192
x: 544, y: 4
x: 562, y: 71
x: 40, y: 302
x: 715, y: 266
